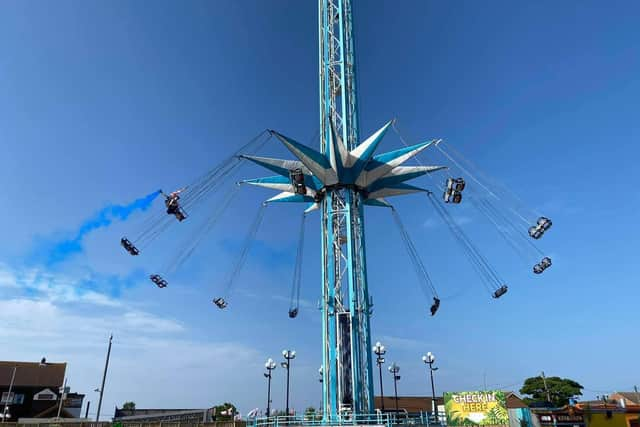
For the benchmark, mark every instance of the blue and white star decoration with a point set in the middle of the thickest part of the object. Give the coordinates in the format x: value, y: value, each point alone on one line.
x: 374, y: 176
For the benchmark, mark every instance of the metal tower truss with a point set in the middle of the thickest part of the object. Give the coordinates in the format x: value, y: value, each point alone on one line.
x: 339, y: 180
x: 351, y: 387
x: 338, y: 100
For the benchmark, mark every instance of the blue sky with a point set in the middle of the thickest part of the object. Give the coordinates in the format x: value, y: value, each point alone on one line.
x: 103, y: 103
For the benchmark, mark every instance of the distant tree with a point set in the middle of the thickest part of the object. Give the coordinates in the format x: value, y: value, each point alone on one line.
x: 129, y: 406
x: 312, y: 413
x: 309, y: 413
x: 560, y: 390
x: 225, y: 412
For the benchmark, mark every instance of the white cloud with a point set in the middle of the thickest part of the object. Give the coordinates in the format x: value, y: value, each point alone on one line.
x: 53, y: 287
x: 7, y: 278
x: 100, y: 299
x: 141, y: 320
x: 152, y: 356
x: 156, y: 361
x: 25, y: 317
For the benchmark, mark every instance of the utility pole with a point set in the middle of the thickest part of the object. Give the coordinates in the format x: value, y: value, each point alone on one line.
x: 6, y: 403
x: 63, y: 394
x: 86, y: 413
x: 546, y: 389
x: 635, y: 388
x: 104, y: 377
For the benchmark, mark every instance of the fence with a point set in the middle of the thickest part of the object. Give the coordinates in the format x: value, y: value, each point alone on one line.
x: 378, y: 419
x: 370, y: 420
x: 76, y: 423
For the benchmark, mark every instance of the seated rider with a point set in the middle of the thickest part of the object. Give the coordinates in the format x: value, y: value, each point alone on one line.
x: 172, y: 203
x: 435, y: 306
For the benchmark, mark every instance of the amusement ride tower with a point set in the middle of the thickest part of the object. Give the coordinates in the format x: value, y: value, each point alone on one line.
x: 339, y: 180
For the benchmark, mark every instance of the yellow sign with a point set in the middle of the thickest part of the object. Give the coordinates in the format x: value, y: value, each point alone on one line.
x: 476, y: 408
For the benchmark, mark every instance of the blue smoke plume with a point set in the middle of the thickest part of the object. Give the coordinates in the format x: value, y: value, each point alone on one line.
x: 62, y: 250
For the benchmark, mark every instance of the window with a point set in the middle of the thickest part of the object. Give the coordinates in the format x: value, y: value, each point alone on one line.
x: 45, y: 394
x: 14, y: 399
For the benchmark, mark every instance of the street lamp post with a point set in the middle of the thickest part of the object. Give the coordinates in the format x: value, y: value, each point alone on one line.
x: 394, y: 369
x: 5, y: 412
x: 429, y: 360
x: 270, y: 365
x: 380, y: 351
x: 289, y: 356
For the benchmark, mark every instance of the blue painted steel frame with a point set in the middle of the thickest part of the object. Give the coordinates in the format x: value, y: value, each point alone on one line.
x: 329, y: 342
x: 353, y: 214
x: 334, y: 176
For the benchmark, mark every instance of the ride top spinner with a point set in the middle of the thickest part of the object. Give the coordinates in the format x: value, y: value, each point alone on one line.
x: 340, y: 180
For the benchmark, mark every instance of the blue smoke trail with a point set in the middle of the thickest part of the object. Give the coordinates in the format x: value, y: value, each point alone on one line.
x: 62, y: 250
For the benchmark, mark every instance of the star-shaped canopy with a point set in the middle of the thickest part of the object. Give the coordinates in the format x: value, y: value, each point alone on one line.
x: 375, y: 176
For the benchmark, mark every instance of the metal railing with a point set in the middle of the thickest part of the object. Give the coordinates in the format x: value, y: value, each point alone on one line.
x: 317, y: 420
x: 378, y: 419
x: 61, y: 423
x: 74, y: 423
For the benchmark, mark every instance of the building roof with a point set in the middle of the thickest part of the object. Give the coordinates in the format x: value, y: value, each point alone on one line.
x: 32, y: 374
x: 161, y: 413
x: 411, y: 404
x: 52, y: 411
x: 514, y: 401
x: 119, y: 412
x: 591, y: 403
x: 631, y: 396
x: 594, y: 406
